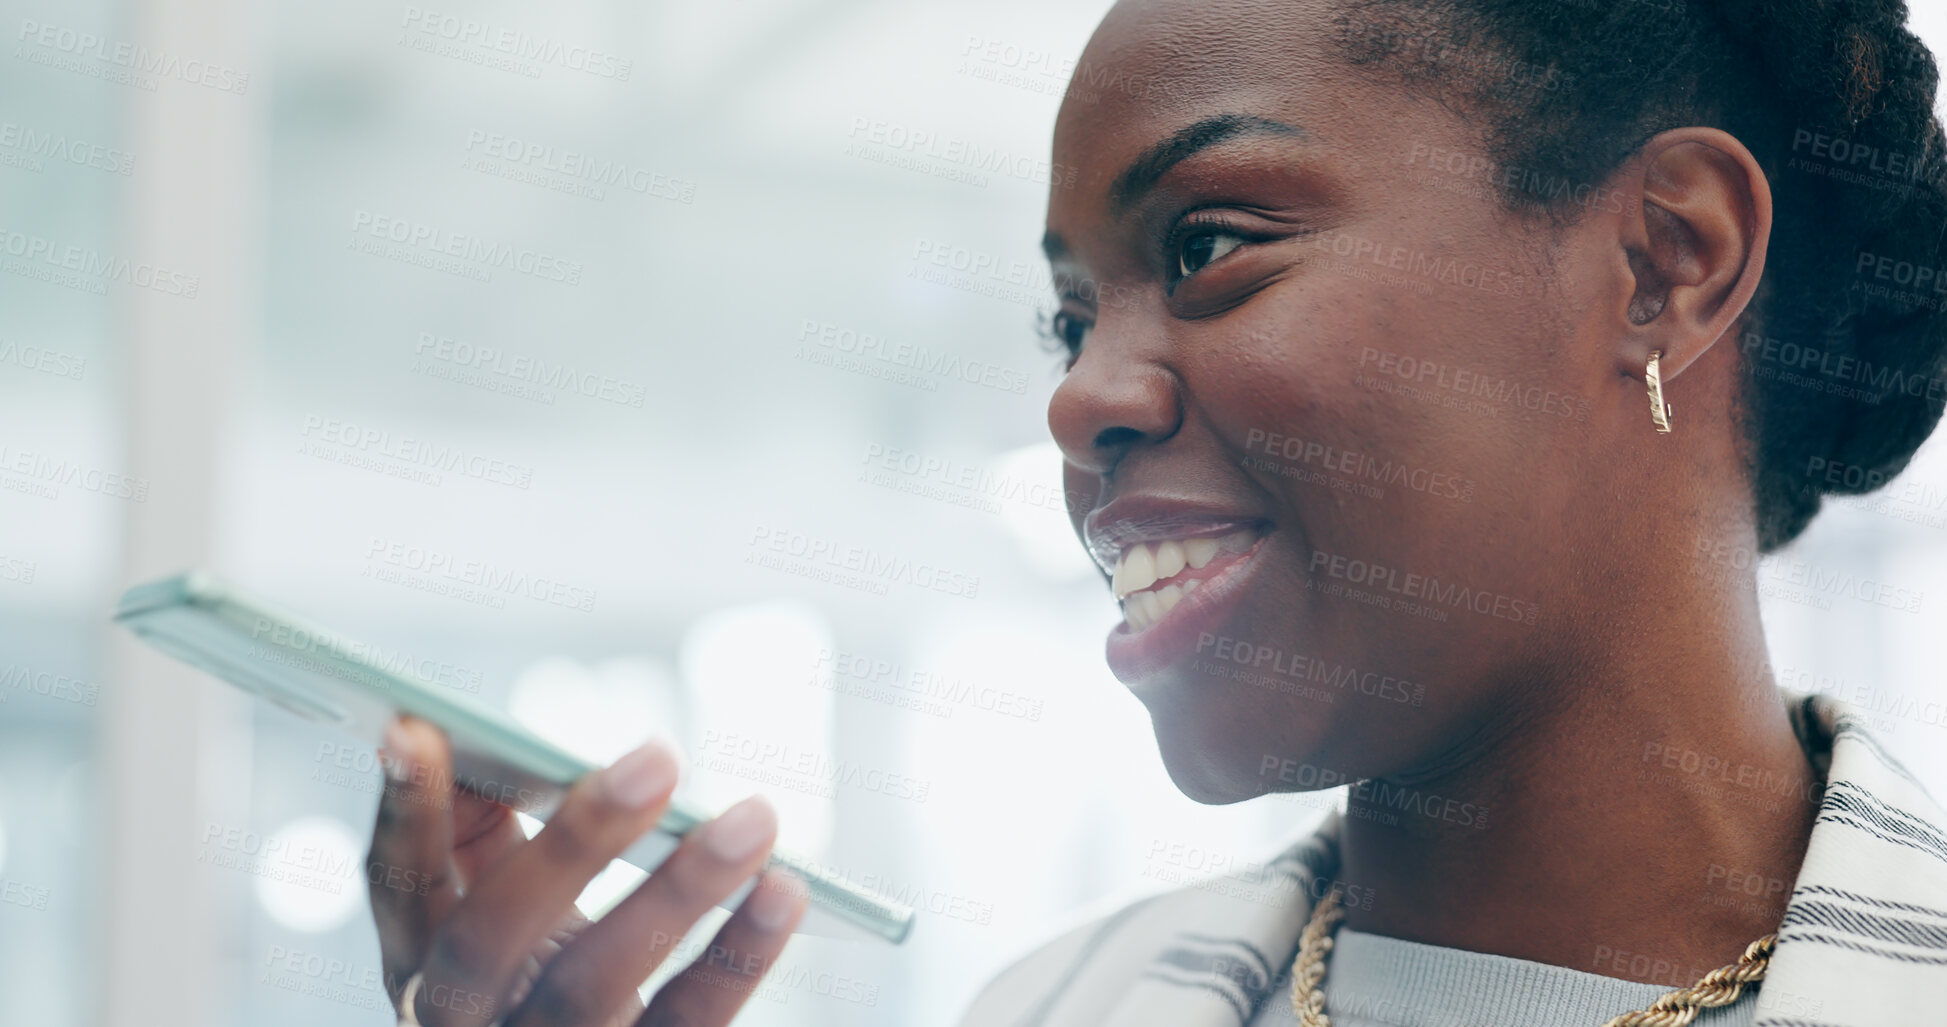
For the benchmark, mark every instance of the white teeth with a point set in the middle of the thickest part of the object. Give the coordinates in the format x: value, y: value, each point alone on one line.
x: 1143, y: 609
x: 1136, y: 572
x: 1169, y: 559
x: 1143, y: 565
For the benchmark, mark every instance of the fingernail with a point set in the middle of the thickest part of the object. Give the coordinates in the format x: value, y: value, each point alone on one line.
x: 640, y: 778
x: 397, y: 758
x: 741, y: 831
x: 774, y: 900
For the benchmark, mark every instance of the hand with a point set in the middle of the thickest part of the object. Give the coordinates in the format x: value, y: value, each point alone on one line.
x: 487, y: 916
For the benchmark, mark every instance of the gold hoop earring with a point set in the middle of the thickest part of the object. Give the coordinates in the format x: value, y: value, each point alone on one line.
x: 1659, y: 410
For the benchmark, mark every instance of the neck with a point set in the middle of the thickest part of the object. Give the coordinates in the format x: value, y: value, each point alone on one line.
x: 1649, y: 830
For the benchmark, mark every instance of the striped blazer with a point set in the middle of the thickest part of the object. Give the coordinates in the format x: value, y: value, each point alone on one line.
x: 1863, y: 944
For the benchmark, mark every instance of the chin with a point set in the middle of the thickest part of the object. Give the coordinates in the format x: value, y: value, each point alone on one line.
x: 1214, y: 764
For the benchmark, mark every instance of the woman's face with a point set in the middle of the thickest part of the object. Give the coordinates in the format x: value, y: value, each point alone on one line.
x: 1317, y: 356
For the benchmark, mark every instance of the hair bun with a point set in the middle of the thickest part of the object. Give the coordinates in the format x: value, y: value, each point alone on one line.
x: 1850, y: 375
x: 1845, y: 347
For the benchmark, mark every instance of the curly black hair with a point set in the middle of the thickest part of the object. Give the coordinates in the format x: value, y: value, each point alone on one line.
x: 1845, y: 349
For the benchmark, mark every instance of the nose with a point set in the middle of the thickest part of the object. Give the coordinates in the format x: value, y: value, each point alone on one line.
x: 1113, y: 401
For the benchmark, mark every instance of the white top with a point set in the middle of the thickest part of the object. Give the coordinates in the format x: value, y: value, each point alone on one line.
x: 1375, y: 981
x: 1863, y: 943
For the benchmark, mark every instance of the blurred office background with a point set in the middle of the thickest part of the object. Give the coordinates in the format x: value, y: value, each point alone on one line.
x: 299, y: 249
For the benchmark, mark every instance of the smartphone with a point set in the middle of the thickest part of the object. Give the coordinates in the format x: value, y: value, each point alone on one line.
x: 323, y: 676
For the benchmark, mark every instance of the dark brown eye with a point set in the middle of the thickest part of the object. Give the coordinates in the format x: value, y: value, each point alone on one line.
x: 1070, y: 331
x: 1197, y: 251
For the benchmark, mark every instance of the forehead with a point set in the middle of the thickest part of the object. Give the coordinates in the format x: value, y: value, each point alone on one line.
x: 1168, y: 61
x: 1154, y: 67
x: 1210, y: 32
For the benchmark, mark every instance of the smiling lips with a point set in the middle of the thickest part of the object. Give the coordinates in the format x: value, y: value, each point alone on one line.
x: 1152, y: 577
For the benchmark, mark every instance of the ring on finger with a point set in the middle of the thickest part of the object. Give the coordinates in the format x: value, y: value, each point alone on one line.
x: 408, y: 1016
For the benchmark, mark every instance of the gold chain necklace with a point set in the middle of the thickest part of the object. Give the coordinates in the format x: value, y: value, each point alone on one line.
x: 1720, y: 987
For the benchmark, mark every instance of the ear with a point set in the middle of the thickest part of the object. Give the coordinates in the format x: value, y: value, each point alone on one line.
x: 1695, y: 245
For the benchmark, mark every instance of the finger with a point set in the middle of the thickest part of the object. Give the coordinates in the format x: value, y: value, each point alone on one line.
x: 600, y: 970
x: 519, y: 900
x: 408, y: 869
x: 712, y: 989
x: 484, y: 832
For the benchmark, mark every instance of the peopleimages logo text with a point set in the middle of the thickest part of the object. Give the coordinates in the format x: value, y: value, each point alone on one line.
x: 516, y: 43
x: 533, y: 370
x: 132, y: 57
x: 417, y: 452
x: 94, y: 265
x: 478, y: 573
x: 62, y: 147
x: 439, y: 242
x: 1422, y: 588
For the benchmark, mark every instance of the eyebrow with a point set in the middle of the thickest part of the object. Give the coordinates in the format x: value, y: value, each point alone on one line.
x: 1145, y: 171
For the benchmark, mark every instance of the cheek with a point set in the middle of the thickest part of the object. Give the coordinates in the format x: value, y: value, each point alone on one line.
x: 1372, y: 370
x: 1279, y: 383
